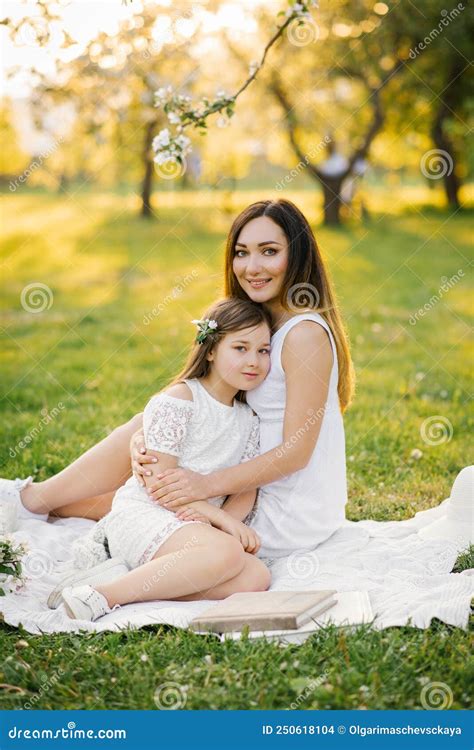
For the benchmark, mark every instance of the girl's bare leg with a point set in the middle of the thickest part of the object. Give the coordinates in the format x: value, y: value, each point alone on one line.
x: 254, y: 576
x: 196, y: 562
x: 92, y: 478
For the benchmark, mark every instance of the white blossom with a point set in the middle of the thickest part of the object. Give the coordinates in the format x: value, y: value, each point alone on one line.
x: 163, y: 94
x: 183, y: 142
x: 162, y: 157
x: 300, y: 10
x: 161, y: 140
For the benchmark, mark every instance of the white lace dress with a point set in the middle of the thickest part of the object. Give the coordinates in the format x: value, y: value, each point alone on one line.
x: 206, y: 435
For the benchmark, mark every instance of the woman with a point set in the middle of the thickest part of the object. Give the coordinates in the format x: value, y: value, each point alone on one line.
x: 273, y: 259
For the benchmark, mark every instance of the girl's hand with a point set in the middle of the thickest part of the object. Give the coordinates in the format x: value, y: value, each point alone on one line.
x: 249, y: 540
x: 140, y: 457
x: 187, y: 513
x: 178, y: 487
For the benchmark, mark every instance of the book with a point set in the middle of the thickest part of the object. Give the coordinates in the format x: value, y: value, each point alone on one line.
x: 264, y: 610
x: 352, y: 608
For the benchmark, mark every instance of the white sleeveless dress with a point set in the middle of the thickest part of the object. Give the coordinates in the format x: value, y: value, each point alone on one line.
x: 303, y: 509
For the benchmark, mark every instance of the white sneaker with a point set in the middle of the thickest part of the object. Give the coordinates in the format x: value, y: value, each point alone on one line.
x: 85, y: 603
x: 12, y: 509
x: 104, y: 572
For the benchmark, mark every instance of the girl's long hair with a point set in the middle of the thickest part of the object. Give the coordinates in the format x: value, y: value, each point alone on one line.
x: 307, y: 283
x: 231, y: 315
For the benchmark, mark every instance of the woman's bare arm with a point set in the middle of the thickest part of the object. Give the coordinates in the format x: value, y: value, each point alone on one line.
x: 240, y: 504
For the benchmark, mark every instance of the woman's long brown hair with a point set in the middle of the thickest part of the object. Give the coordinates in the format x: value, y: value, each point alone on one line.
x: 231, y: 315
x: 306, y: 280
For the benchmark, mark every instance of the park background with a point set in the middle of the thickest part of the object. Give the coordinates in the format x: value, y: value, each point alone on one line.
x: 360, y: 114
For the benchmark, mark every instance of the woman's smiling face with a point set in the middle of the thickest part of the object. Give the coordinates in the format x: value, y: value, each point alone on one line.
x: 261, y: 259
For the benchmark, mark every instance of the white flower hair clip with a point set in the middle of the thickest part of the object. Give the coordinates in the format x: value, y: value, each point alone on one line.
x: 205, y: 327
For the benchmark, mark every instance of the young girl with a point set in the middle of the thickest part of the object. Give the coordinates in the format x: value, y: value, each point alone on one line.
x: 200, y: 422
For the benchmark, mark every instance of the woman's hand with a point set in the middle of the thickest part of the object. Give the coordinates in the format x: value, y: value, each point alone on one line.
x: 140, y: 457
x: 177, y: 487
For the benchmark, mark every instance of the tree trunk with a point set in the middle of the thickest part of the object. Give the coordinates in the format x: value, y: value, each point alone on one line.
x: 332, y: 200
x: 147, y: 184
x: 450, y: 180
x: 448, y: 104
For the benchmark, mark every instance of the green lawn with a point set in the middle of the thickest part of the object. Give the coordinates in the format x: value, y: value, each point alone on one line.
x: 114, y: 332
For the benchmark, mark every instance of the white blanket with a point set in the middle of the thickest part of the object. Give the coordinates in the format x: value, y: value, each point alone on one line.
x: 408, y: 579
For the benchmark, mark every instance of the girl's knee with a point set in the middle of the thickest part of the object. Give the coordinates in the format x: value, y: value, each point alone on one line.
x: 127, y: 429
x: 259, y: 576
x: 229, y: 555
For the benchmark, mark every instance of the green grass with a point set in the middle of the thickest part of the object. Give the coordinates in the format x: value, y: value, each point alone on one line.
x: 93, y: 357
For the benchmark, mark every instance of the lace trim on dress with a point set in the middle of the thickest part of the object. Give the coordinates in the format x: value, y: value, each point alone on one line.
x: 165, y: 423
x: 252, y: 449
x: 92, y: 548
x: 158, y: 539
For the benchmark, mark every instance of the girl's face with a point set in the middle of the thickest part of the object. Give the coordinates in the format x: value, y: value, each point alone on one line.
x: 242, y: 358
x: 261, y: 259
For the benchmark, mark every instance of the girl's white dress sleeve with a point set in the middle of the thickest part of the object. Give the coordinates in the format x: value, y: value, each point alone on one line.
x: 165, y: 423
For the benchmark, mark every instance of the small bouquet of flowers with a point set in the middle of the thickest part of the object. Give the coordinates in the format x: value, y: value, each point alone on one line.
x: 11, y: 555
